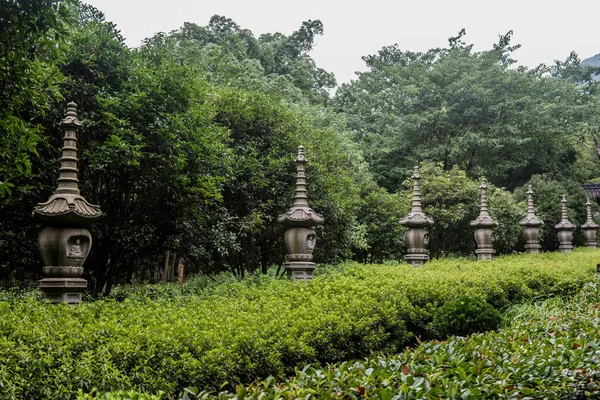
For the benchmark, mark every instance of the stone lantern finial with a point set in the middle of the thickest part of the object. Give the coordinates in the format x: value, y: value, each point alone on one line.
x: 532, y: 225
x: 590, y: 227
x: 300, y: 237
x: 484, y: 228
x: 565, y: 229
x: 65, y: 242
x: 416, y: 238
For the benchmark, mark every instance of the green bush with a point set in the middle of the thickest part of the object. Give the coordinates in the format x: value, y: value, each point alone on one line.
x: 120, y: 395
x: 235, y: 332
x: 550, y: 351
x: 464, y: 316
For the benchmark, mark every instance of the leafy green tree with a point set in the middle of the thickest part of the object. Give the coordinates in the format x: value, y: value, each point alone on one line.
x: 31, y: 35
x: 228, y: 55
x: 472, y: 109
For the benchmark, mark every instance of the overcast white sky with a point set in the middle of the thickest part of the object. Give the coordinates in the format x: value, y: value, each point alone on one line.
x: 547, y: 30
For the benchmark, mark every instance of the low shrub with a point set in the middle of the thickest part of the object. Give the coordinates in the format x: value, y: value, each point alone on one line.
x: 120, y: 395
x: 464, y: 316
x: 550, y: 351
x: 237, y: 331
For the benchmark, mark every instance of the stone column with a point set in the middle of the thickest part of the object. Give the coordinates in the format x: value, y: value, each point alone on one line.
x: 565, y: 230
x: 484, y: 228
x: 300, y: 238
x: 531, y: 225
x: 416, y: 238
x: 65, y: 242
x: 590, y: 227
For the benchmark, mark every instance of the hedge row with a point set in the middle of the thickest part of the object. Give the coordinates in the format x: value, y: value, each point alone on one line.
x: 551, y: 351
x: 240, y: 331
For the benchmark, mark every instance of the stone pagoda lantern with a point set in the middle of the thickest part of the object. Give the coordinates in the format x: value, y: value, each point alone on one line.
x: 64, y: 241
x: 300, y: 237
x: 565, y: 230
x: 532, y: 224
x: 590, y: 227
x: 484, y: 228
x: 416, y: 237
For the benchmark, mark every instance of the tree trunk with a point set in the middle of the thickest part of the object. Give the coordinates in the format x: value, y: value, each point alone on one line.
x: 172, y: 269
x: 180, y: 269
x: 165, y: 272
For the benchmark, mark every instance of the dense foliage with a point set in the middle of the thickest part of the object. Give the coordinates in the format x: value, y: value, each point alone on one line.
x: 472, y: 109
x: 223, y: 334
x: 549, y: 350
x: 189, y: 141
x: 464, y: 316
x: 182, y: 158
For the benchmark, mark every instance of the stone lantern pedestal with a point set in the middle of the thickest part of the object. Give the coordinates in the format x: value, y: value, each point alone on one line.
x: 484, y: 229
x: 565, y: 229
x: 416, y: 238
x: 65, y: 242
x: 299, y: 237
x: 532, y: 224
x: 589, y: 228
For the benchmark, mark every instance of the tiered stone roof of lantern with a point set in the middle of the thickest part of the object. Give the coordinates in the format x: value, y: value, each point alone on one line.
x: 564, y: 222
x: 589, y: 223
x: 66, y: 205
x: 300, y: 214
x: 416, y: 218
x: 484, y: 220
x: 531, y: 219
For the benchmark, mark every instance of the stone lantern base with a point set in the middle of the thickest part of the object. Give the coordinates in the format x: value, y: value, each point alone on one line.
x: 591, y: 244
x: 485, y: 254
x: 532, y: 248
x: 63, y: 290
x: 300, y: 270
x: 416, y: 260
x: 566, y: 248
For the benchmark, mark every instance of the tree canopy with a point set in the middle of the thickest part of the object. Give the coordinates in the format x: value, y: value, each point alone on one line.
x: 189, y: 141
x: 472, y: 109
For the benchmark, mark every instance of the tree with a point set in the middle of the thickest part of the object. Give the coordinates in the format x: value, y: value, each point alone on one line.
x: 274, y: 63
x: 31, y: 33
x: 465, y: 108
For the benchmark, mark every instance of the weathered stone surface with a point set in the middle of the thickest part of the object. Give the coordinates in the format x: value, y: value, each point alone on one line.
x: 531, y: 223
x: 565, y: 229
x: 63, y: 290
x: 416, y: 237
x: 590, y: 227
x: 65, y: 242
x: 300, y: 239
x: 485, y: 225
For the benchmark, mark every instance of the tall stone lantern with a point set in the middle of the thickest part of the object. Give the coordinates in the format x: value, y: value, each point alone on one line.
x: 532, y: 224
x: 65, y: 242
x: 484, y: 228
x: 416, y: 237
x: 590, y: 227
x: 565, y: 230
x: 299, y: 237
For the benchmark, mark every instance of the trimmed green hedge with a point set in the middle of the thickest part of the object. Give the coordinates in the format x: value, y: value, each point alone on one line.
x: 551, y: 351
x: 240, y: 331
